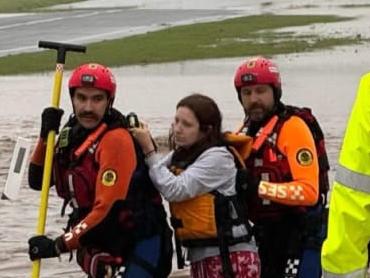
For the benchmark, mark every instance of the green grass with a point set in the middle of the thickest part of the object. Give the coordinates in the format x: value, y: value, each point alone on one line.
x: 266, y: 4
x: 14, y: 6
x: 243, y: 36
x: 355, y: 6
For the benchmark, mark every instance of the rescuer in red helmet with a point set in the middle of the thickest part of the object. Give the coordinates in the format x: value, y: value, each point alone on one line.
x: 287, y: 184
x: 117, y: 220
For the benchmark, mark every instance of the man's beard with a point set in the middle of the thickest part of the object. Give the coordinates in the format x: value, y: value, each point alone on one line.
x: 261, y: 113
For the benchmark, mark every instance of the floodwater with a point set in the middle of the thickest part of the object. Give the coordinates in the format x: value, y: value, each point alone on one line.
x: 326, y: 81
x: 209, y: 4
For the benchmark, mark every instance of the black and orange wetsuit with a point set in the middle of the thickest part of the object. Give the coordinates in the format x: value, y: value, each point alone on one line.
x: 294, y: 160
x: 102, y: 175
x: 285, y: 167
x: 115, y: 166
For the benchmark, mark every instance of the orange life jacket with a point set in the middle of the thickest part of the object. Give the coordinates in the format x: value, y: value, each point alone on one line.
x: 196, y: 220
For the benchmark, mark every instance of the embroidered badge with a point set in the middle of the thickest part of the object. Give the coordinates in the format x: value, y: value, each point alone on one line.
x: 109, y: 178
x: 304, y: 157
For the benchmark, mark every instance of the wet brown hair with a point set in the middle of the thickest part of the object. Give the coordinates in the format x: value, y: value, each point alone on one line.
x: 208, y: 115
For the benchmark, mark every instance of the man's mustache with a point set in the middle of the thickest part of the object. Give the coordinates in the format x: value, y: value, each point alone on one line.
x: 88, y: 115
x: 256, y: 105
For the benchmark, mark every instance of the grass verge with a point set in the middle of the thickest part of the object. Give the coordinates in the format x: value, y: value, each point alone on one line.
x: 243, y: 36
x: 351, y: 6
x: 16, y: 6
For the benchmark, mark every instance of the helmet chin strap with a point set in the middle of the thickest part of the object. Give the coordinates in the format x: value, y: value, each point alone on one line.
x: 109, y: 106
x: 110, y: 102
x: 108, y: 110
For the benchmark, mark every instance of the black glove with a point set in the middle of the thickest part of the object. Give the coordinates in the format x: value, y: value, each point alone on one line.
x: 50, y: 120
x: 43, y: 247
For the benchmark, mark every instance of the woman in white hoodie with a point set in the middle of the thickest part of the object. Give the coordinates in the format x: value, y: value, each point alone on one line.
x: 198, y: 178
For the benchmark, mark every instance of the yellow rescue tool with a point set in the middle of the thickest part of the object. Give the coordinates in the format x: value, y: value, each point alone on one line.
x: 61, y: 49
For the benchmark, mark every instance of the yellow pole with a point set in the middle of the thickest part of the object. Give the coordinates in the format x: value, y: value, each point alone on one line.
x: 48, y: 166
x: 62, y: 49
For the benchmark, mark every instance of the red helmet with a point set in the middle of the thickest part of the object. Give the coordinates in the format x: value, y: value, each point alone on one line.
x: 93, y: 75
x: 258, y: 70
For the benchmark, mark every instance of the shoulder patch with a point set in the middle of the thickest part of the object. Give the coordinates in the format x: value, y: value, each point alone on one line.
x: 109, y: 177
x: 304, y: 157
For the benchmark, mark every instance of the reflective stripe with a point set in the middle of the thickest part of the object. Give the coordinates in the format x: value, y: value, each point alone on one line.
x: 72, y: 191
x: 355, y: 274
x: 95, y: 260
x: 352, y: 179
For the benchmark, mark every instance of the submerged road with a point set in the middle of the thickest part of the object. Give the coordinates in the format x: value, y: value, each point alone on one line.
x: 21, y: 32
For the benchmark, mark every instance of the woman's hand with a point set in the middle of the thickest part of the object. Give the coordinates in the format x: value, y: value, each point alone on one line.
x: 143, y: 137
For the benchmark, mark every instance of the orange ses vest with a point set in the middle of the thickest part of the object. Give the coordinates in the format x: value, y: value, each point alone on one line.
x: 293, y: 172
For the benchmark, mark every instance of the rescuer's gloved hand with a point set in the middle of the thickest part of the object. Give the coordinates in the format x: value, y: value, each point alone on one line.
x: 50, y: 120
x: 41, y: 247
